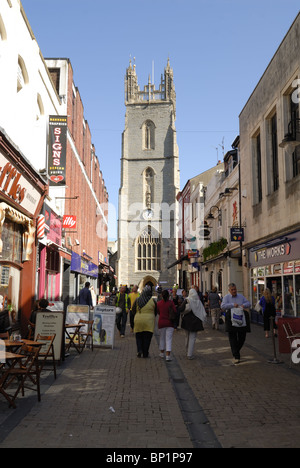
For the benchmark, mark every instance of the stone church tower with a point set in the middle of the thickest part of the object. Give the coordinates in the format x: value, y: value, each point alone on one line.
x: 147, y: 238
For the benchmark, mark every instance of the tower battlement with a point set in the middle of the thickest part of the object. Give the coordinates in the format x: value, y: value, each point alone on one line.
x: 134, y: 95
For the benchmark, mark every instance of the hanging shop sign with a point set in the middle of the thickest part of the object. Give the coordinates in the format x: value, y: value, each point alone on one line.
x: 69, y: 222
x: 53, y: 225
x: 57, y: 150
x: 193, y: 253
x: 237, y: 235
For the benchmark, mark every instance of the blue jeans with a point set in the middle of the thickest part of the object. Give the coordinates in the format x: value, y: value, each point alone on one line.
x: 121, y: 320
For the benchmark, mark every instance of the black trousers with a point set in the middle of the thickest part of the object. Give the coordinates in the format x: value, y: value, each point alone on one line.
x: 143, y: 340
x: 237, y: 339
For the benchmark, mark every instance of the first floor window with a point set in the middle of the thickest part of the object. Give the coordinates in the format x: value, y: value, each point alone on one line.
x: 12, y: 241
x: 296, y: 161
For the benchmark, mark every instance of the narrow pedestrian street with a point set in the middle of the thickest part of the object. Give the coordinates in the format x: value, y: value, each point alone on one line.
x: 111, y: 399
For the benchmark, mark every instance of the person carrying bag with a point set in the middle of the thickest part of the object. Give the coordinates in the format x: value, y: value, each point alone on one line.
x: 237, y: 320
x: 192, y: 317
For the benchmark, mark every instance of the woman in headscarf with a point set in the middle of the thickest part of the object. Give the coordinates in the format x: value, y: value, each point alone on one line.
x: 144, y: 310
x: 193, y: 316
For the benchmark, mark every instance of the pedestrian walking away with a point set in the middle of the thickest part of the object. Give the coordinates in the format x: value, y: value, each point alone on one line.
x: 166, y: 324
x: 144, y: 310
x: 123, y: 305
x: 133, y: 296
x: 214, y: 304
x: 85, y: 295
x: 193, y: 315
x: 267, y: 302
x: 237, y: 320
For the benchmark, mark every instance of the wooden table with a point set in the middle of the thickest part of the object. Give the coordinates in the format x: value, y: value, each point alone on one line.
x: 77, y: 327
x: 11, y: 344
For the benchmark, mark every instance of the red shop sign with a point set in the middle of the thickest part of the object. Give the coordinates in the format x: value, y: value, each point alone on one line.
x: 69, y: 222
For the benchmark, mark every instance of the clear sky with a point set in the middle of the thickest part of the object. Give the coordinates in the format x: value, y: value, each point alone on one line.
x: 218, y: 50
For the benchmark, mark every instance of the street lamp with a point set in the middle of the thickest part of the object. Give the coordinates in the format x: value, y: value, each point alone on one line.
x: 211, y: 216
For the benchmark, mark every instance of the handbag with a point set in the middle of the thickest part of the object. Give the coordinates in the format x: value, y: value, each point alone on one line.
x: 191, y: 323
x: 172, y: 314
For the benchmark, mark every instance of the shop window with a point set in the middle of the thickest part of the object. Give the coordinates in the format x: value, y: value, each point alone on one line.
x: 9, y: 290
x: 297, y: 290
x: 12, y: 241
x: 289, y: 306
x: 52, y: 262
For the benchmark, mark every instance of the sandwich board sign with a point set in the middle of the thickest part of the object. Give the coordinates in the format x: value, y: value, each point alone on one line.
x: 104, y: 317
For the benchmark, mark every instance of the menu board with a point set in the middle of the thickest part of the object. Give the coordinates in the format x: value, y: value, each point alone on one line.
x: 104, y: 325
x: 50, y: 323
x: 75, y: 312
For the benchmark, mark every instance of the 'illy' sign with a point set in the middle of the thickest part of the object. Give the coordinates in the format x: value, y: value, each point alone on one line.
x: 69, y: 222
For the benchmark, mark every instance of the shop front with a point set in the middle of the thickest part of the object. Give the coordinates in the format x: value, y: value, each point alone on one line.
x: 22, y: 191
x: 83, y: 270
x: 50, y: 236
x: 276, y: 265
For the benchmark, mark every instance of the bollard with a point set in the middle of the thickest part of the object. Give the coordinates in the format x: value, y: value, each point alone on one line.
x: 274, y: 360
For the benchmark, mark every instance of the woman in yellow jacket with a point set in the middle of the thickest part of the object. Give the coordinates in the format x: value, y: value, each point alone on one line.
x: 144, y: 310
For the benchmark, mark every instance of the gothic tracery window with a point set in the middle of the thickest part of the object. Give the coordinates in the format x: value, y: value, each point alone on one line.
x: 148, y: 251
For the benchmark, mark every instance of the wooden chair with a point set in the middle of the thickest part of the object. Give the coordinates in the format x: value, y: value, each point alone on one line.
x: 86, y: 333
x: 31, y: 328
x: 4, y: 336
x: 27, y: 368
x: 46, y: 352
x: 5, y: 377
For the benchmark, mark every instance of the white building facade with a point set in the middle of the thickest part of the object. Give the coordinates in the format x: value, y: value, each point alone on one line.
x: 270, y: 174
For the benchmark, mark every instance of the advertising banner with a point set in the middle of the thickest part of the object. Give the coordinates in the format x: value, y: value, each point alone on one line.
x: 104, y: 325
x: 57, y: 150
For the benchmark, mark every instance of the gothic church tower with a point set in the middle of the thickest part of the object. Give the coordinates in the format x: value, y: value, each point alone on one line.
x: 149, y: 183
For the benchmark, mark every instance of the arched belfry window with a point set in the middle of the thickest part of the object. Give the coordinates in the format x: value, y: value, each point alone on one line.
x: 148, y: 187
x: 148, y: 250
x: 148, y: 135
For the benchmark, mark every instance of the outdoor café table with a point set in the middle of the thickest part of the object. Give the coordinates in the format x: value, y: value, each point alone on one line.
x: 72, y: 337
x: 14, y: 345
x: 8, y: 357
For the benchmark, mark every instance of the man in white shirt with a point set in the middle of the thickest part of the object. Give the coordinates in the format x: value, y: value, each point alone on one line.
x: 237, y: 335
